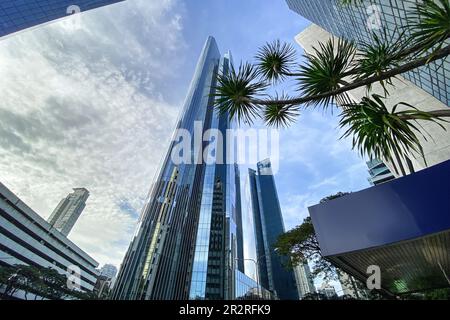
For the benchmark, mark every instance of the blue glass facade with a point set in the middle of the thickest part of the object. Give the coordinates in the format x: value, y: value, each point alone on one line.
x: 186, y: 246
x: 248, y: 289
x: 17, y: 15
x: 351, y: 22
x: 402, y: 226
x: 268, y: 224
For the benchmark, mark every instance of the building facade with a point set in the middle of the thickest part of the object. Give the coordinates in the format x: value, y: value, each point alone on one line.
x: 187, y: 241
x: 27, y: 239
x: 379, y: 172
x: 69, y: 209
x: 19, y: 15
x: 435, y: 149
x: 357, y: 22
x: 268, y: 224
x: 328, y: 291
x: 109, y: 271
x: 305, y: 281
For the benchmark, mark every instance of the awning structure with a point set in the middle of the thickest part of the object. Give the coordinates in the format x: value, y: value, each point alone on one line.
x: 402, y: 226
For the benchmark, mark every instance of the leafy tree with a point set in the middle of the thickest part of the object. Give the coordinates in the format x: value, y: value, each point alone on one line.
x: 46, y: 283
x: 337, y: 67
x: 300, y: 244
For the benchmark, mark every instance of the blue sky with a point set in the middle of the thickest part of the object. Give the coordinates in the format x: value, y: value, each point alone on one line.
x: 95, y: 107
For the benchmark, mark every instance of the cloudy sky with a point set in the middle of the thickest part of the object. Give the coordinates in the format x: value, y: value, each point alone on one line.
x: 95, y: 107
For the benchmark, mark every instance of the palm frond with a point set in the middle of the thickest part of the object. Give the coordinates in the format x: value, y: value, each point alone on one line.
x: 379, y: 55
x: 280, y: 116
x: 378, y: 132
x: 235, y: 92
x: 429, y: 23
x: 326, y: 68
x: 275, y: 60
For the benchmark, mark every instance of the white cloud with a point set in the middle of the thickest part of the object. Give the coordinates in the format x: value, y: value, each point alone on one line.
x: 91, y: 109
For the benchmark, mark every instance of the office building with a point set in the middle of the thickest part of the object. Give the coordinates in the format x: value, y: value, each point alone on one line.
x: 436, y: 149
x: 357, y: 22
x: 187, y: 242
x: 304, y: 278
x: 108, y: 271
x: 27, y: 239
x: 69, y: 209
x: 20, y: 15
x: 268, y: 224
x: 397, y: 232
x: 379, y: 172
x: 328, y: 291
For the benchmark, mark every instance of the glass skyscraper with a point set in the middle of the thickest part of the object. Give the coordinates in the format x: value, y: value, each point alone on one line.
x: 352, y: 22
x: 188, y: 243
x: 268, y: 224
x: 17, y: 15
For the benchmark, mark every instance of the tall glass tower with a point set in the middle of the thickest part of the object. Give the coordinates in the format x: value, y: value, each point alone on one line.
x: 188, y: 238
x: 357, y: 22
x: 268, y: 224
x: 19, y: 15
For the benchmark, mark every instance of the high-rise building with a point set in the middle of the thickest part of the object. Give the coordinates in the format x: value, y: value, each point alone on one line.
x: 27, y: 239
x: 109, y: 271
x: 328, y: 291
x: 19, y: 15
x: 379, y: 172
x: 305, y: 282
x: 187, y: 242
x: 69, y: 209
x: 435, y: 149
x: 357, y: 22
x: 268, y: 224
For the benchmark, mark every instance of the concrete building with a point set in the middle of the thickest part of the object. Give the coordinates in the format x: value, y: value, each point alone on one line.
x: 69, y: 209
x: 27, y: 239
x: 437, y: 148
x: 328, y: 291
x: 304, y: 279
x: 109, y: 271
x: 359, y: 20
x: 16, y: 15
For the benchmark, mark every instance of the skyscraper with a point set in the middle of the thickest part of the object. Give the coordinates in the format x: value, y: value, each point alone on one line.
x: 356, y: 22
x: 305, y: 283
x: 187, y: 241
x: 19, y: 15
x: 69, y: 209
x: 379, y: 172
x: 268, y: 224
x: 109, y: 271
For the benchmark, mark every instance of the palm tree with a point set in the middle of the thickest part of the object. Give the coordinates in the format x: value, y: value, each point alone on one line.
x: 337, y: 67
